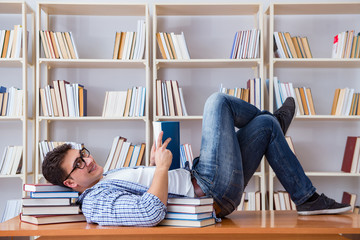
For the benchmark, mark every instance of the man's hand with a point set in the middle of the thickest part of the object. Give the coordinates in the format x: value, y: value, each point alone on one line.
x: 159, y: 155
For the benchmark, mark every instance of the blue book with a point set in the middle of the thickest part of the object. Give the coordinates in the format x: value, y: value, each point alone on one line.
x: 172, y: 130
x: 69, y: 194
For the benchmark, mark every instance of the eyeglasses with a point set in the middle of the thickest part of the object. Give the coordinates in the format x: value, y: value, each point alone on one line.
x: 79, y: 161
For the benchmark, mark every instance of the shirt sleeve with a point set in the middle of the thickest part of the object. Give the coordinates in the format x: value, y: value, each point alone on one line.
x: 118, y: 208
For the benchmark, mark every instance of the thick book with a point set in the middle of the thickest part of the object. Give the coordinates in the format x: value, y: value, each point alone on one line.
x: 50, y: 210
x: 46, y: 201
x: 50, y: 219
x: 349, y: 198
x: 187, y: 223
x: 348, y: 154
x: 46, y: 187
x: 189, y: 208
x: 191, y: 201
x: 70, y: 194
x: 171, y: 130
x: 188, y: 216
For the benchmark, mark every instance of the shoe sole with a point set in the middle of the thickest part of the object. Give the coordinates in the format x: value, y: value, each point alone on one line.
x: 325, y: 211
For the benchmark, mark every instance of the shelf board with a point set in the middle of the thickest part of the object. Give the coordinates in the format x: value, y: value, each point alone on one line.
x: 317, y: 62
x: 91, y: 118
x: 94, y: 9
x: 12, y: 176
x: 11, y: 7
x: 11, y: 62
x: 326, y: 117
x: 177, y: 118
x: 316, y: 8
x: 93, y: 63
x: 7, y: 118
x: 206, y: 9
x: 208, y: 63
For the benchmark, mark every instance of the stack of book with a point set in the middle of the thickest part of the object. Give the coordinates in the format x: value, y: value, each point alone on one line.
x: 255, y: 87
x: 58, y: 45
x: 286, y: 46
x: 130, y: 103
x: 186, y: 155
x: 11, y: 161
x: 169, y: 99
x: 47, y: 146
x: 130, y: 45
x: 346, y: 102
x: 189, y: 212
x: 302, y: 96
x: 349, y: 198
x: 11, y: 42
x: 346, y: 45
x: 350, y: 163
x: 124, y: 154
x: 242, y: 93
x: 64, y: 99
x: 282, y: 201
x: 246, y: 44
x: 11, y: 102
x: 172, y: 46
x: 49, y: 203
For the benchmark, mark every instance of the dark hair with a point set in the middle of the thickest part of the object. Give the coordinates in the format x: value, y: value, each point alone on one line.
x: 51, y: 166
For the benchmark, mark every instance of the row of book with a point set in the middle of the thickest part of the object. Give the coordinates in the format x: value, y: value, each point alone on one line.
x: 350, y: 163
x: 169, y: 99
x: 64, y: 99
x: 59, y: 45
x: 11, y: 102
x: 346, y: 45
x: 246, y: 44
x: 172, y: 46
x: 282, y: 201
x: 189, y: 212
x: 130, y: 103
x: 286, y: 46
x: 186, y: 155
x: 130, y: 45
x: 11, y: 42
x: 124, y: 154
x: 11, y: 161
x: 302, y: 96
x: 242, y: 93
x: 47, y: 203
x: 346, y: 102
x: 47, y: 146
x: 12, y: 209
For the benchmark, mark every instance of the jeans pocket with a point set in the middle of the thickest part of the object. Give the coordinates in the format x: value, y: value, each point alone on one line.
x: 234, y: 190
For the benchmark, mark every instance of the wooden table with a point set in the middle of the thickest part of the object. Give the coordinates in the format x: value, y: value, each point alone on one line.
x: 245, y: 225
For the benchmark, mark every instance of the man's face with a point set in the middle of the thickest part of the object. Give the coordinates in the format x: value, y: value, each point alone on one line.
x: 81, y: 179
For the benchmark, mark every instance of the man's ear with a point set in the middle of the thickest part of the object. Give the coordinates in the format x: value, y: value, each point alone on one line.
x: 70, y: 183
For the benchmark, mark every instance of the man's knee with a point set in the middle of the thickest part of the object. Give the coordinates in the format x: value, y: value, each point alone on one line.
x: 215, y: 100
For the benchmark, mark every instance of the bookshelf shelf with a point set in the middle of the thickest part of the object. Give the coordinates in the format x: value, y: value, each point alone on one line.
x: 92, y: 118
x: 22, y: 176
x: 51, y: 15
x: 208, y: 63
x: 92, y: 63
x: 177, y: 118
x: 278, y: 13
x: 11, y: 62
x: 316, y: 63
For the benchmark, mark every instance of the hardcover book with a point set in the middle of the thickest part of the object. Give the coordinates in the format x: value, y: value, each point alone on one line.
x: 49, y: 219
x: 191, y: 201
x: 187, y: 223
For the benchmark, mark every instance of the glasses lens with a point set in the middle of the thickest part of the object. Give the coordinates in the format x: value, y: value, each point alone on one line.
x: 79, y: 163
x: 84, y: 152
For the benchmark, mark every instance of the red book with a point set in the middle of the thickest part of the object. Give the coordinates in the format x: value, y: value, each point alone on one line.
x: 348, y: 154
x: 346, y: 198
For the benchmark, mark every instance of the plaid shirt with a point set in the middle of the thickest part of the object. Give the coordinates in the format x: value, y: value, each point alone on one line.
x: 121, y: 203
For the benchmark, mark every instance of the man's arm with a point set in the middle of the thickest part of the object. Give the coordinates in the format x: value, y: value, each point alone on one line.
x: 162, y: 158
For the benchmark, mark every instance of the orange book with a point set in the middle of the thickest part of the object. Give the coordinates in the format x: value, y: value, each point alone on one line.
x: 282, y: 40
x: 290, y: 44
x: 298, y: 98
x: 168, y: 45
x: 116, y: 45
x: 358, y: 104
x: 297, y: 47
x: 128, y: 156
x: 310, y: 99
x: 70, y: 45
x: 302, y: 50
x: 127, y: 103
x: 50, y: 45
x: 6, y: 43
x: 161, y: 47
x: 122, y: 44
x: 172, y: 45
x: 335, y: 101
x: 141, y: 155
x: 303, y: 100
x: 353, y: 103
x: 52, y: 37
x: 306, y: 47
x: 133, y: 45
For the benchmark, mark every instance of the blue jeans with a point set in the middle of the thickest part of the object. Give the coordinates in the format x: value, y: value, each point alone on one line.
x: 229, y: 158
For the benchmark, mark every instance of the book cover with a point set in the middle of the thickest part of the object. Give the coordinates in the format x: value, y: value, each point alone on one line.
x: 51, y: 219
x: 46, y: 201
x: 69, y: 194
x: 188, y: 216
x: 172, y: 130
x: 50, y: 210
x: 348, y: 154
x: 187, y: 223
x: 191, y: 201
x: 46, y: 187
x: 189, y: 208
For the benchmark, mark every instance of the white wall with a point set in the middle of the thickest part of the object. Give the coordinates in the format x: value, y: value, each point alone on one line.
x: 319, y: 145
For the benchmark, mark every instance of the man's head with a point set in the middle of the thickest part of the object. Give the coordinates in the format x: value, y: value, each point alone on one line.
x: 72, y: 168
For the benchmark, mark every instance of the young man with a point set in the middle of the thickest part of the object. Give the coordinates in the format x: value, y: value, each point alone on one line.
x: 228, y: 159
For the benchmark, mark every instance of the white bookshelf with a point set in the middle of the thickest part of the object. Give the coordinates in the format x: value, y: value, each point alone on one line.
x: 188, y: 18
x: 50, y: 15
x: 21, y: 13
x: 278, y: 12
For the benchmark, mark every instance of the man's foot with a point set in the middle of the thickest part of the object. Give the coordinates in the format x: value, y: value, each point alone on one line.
x: 285, y: 113
x: 322, y: 205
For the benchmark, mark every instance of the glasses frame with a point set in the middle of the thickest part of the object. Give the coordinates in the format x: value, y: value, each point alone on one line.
x: 82, y: 155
